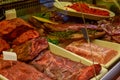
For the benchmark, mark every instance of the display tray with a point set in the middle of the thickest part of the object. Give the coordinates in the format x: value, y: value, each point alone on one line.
x: 67, y: 54
x: 106, y: 44
x: 61, y: 6
x: 113, y: 73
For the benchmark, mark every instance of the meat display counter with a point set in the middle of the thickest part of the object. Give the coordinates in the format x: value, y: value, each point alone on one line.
x: 51, y: 45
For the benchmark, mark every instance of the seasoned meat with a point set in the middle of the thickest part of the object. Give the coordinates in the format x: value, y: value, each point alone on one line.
x: 30, y: 49
x: 6, y: 27
x: 30, y: 34
x: 15, y: 70
x: 3, y: 45
x: 59, y: 68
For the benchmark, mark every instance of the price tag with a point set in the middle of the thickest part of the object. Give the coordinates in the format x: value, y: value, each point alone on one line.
x: 10, y: 14
x: 9, y: 56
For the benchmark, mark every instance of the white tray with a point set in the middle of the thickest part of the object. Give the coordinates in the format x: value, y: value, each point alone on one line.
x: 67, y: 54
x: 68, y: 11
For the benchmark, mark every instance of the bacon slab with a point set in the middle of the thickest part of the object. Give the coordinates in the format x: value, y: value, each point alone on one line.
x: 97, y: 53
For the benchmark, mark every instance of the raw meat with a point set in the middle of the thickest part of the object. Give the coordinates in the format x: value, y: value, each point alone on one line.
x: 59, y: 68
x: 97, y: 53
x: 30, y: 49
x: 30, y: 34
x: 3, y: 45
x: 15, y: 70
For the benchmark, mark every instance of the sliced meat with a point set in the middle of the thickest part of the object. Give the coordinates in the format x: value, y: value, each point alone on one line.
x: 15, y: 70
x: 30, y: 34
x: 30, y: 49
x: 97, y: 53
x: 3, y: 45
x: 59, y: 68
x: 74, y: 27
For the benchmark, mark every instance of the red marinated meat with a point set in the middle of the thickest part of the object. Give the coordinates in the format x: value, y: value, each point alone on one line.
x: 15, y: 70
x: 30, y: 49
x: 59, y: 68
x: 30, y: 34
x: 6, y: 27
x: 3, y: 45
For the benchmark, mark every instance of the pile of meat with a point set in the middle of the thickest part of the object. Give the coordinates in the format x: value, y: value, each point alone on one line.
x: 59, y: 68
x: 112, y: 29
x: 15, y: 32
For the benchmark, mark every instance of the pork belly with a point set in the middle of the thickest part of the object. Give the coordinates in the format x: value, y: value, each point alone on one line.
x: 92, y: 51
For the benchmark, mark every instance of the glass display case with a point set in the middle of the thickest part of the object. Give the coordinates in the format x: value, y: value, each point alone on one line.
x: 60, y: 39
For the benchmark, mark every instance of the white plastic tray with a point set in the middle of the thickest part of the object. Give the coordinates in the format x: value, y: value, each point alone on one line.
x: 67, y: 54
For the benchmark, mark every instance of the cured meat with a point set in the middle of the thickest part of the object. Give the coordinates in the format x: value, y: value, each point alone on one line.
x: 3, y: 45
x: 97, y: 53
x: 30, y: 34
x: 59, y: 68
x: 15, y: 70
x: 30, y: 49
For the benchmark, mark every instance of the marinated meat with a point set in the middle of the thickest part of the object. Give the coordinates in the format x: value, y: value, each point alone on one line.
x: 15, y: 70
x: 59, y: 68
x: 3, y: 45
x: 30, y: 49
x: 7, y: 26
x: 30, y: 34
x: 97, y: 53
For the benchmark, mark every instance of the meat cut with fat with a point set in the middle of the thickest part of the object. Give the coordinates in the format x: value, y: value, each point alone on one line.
x: 92, y: 51
x: 15, y: 70
x: 60, y: 68
x: 30, y: 49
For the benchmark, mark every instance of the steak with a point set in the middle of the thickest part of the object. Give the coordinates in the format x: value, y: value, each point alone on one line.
x: 59, y: 68
x: 30, y: 34
x: 97, y: 53
x: 15, y: 70
x: 30, y: 49
x: 3, y: 45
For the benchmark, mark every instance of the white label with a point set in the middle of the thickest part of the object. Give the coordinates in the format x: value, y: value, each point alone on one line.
x: 10, y: 14
x: 9, y: 56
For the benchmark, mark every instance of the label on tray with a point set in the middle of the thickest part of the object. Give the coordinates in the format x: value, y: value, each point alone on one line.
x: 9, y: 56
x: 10, y: 14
